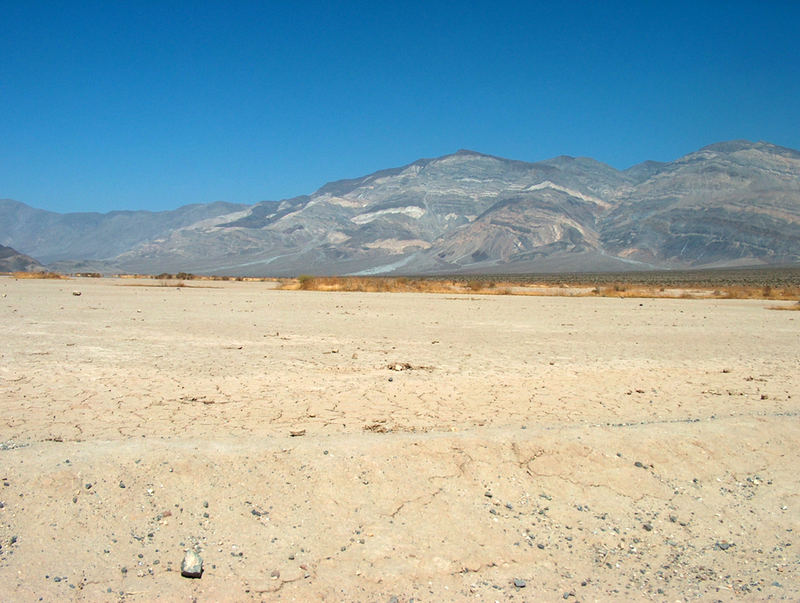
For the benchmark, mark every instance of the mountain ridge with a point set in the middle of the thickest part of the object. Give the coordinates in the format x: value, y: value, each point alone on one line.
x: 724, y: 204
x: 12, y: 260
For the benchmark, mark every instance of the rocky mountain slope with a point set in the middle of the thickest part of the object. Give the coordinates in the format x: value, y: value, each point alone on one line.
x: 14, y: 261
x: 731, y: 203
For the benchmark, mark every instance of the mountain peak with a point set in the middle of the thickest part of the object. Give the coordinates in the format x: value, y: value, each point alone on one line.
x: 730, y: 146
x: 734, y: 146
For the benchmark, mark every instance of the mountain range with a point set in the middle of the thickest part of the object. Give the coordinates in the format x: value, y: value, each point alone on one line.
x: 729, y: 204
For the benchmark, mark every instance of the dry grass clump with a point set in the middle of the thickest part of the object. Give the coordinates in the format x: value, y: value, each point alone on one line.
x: 189, y: 276
x: 762, y: 292
x: 54, y: 275
x: 795, y: 307
x: 725, y: 292
x: 400, y: 284
x: 485, y: 286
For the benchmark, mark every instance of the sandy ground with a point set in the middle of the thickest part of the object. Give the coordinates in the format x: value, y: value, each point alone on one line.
x: 590, y: 449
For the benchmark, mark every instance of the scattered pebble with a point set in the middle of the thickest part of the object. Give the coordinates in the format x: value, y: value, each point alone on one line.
x: 520, y: 583
x: 192, y: 566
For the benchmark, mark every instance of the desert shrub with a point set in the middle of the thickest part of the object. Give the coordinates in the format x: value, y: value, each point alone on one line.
x: 38, y: 275
x: 306, y: 281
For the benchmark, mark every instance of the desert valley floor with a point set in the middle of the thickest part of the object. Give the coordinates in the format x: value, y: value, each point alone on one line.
x: 365, y: 446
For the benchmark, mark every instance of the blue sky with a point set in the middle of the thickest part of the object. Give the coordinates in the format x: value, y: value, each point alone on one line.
x: 152, y: 105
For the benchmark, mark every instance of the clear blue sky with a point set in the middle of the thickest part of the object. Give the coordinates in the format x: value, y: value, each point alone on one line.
x: 152, y: 105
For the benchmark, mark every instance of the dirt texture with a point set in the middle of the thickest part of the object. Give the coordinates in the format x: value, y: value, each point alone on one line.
x: 365, y: 446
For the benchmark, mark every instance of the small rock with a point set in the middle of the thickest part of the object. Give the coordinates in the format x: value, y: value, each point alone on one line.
x: 192, y: 566
x: 520, y: 583
x: 639, y: 464
x: 648, y: 527
x: 724, y: 545
x: 76, y: 293
x: 488, y: 494
x: 122, y: 484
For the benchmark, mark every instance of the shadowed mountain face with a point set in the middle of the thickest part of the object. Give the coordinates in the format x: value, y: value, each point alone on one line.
x: 727, y: 204
x: 13, y: 261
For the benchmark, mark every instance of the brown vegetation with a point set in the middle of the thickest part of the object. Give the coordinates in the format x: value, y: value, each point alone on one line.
x: 37, y: 275
x: 795, y: 307
x: 774, y: 285
x: 385, y: 285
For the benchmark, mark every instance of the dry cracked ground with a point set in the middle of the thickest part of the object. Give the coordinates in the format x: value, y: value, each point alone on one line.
x: 367, y: 447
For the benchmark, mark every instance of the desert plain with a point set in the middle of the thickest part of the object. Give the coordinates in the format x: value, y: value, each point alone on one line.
x: 394, y: 446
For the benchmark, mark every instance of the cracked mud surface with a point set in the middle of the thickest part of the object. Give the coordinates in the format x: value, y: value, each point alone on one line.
x: 596, y: 449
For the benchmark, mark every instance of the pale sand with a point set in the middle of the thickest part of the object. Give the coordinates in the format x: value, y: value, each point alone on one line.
x: 189, y: 396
